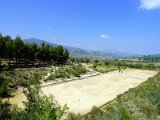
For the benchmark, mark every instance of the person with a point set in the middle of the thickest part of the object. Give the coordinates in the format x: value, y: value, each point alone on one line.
x: 120, y: 70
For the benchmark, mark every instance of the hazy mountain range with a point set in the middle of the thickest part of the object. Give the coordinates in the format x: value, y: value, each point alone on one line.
x: 78, y: 52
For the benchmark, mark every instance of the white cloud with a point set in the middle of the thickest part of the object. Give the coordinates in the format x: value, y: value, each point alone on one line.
x: 104, y: 36
x: 150, y: 4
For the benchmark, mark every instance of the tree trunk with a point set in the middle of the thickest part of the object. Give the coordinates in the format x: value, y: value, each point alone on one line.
x: 9, y: 62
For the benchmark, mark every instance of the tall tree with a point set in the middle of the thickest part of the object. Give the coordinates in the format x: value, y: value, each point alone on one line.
x: 33, y: 52
x: 59, y: 54
x: 2, y: 46
x: 18, y: 48
x: 9, y: 49
x: 66, y: 55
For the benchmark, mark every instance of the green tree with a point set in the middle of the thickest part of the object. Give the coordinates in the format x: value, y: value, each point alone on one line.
x: 33, y: 52
x: 18, y: 49
x: 47, y: 53
x: 59, y: 54
x: 2, y: 46
x: 9, y: 48
x: 66, y: 55
x: 41, y: 53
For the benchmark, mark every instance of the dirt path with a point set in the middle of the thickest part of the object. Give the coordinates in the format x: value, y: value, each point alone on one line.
x: 81, y: 95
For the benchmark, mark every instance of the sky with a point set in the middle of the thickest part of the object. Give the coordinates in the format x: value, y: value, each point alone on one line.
x: 131, y: 26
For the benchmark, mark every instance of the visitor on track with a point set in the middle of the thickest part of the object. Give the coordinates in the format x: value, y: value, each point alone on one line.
x: 120, y: 69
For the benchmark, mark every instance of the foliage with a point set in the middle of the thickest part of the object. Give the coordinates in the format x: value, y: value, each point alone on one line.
x: 14, y: 78
x: 60, y: 111
x: 150, y: 66
x: 138, y: 103
x: 5, y: 111
x: 104, y: 68
x: 4, y: 106
x: 95, y: 113
x: 39, y: 106
x: 131, y: 65
x: 151, y: 58
x: 21, y: 53
x: 76, y: 70
x: 82, y: 60
x: 4, y: 87
x: 68, y: 71
x: 72, y: 116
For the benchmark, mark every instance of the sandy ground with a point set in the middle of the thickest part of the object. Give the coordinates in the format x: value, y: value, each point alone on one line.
x: 81, y: 95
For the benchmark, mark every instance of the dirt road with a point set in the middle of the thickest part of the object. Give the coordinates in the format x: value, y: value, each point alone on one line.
x: 81, y: 95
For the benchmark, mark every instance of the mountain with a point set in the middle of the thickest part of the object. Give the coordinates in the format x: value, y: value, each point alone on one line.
x: 38, y: 41
x: 78, y: 52
x: 119, y: 54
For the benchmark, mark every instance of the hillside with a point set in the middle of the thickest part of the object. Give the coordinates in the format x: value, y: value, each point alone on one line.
x: 78, y: 52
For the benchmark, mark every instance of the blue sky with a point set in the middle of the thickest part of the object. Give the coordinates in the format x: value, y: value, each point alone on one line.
x: 122, y: 25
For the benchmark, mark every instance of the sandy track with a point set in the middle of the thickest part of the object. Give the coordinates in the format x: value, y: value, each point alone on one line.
x: 81, y: 95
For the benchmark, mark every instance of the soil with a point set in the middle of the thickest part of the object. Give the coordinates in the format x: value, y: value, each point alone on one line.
x: 81, y: 95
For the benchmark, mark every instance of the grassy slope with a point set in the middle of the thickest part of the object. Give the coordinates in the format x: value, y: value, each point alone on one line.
x: 21, y: 76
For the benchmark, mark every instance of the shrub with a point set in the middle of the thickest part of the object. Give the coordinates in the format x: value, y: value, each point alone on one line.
x: 4, y: 87
x: 106, y: 62
x: 95, y: 114
x: 72, y: 116
x: 67, y: 71
x: 5, y: 112
x: 39, y: 106
x: 150, y: 66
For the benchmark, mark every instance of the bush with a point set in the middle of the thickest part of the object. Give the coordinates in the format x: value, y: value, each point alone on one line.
x: 95, y: 114
x: 72, y: 116
x: 68, y: 71
x: 5, y: 112
x: 106, y: 62
x: 4, y: 87
x: 39, y: 106
x: 150, y: 66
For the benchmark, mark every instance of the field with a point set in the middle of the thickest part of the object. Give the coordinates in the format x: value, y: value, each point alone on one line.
x: 81, y: 95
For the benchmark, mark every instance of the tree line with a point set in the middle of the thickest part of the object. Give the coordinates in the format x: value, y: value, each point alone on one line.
x: 18, y: 52
x: 151, y: 58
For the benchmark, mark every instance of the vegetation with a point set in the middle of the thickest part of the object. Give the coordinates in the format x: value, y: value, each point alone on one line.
x: 141, y: 103
x: 103, y: 67
x: 138, y: 103
x: 150, y: 58
x: 10, y: 80
x: 81, y: 60
x: 138, y: 65
x: 124, y: 63
x: 68, y: 71
x: 38, y: 106
x: 19, y: 53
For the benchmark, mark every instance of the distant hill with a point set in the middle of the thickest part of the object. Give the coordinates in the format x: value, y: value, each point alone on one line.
x: 78, y: 52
